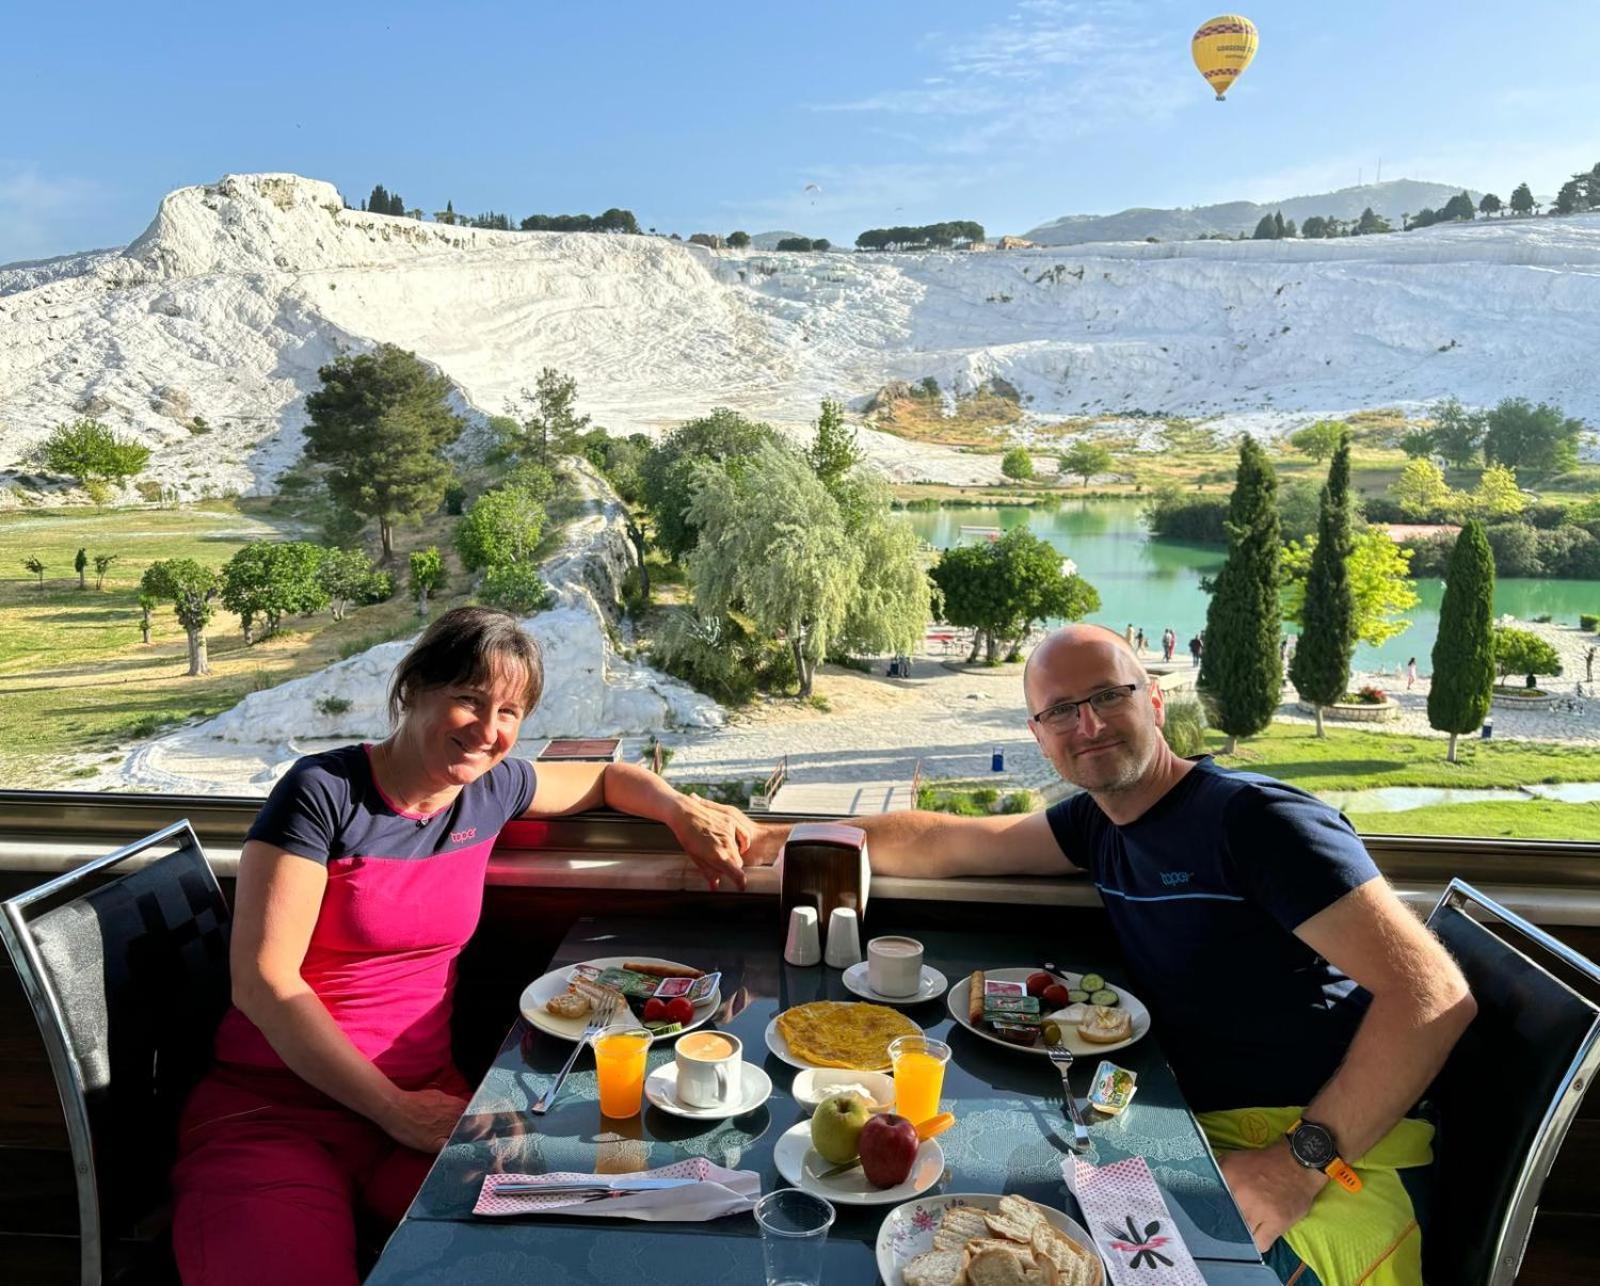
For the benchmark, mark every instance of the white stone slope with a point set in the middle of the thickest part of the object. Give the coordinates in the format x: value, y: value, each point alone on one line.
x: 225, y: 307
x: 589, y: 690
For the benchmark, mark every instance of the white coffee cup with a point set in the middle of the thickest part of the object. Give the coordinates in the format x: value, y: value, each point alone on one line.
x: 894, y: 966
x: 710, y: 1066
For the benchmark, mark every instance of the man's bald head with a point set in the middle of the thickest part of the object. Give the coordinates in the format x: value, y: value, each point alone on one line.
x: 1079, y: 641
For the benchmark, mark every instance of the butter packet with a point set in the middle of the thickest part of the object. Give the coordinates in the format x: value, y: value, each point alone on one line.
x: 1010, y: 1005
x: 1112, y: 1088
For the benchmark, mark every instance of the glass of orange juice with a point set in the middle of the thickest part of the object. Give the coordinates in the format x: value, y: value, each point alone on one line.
x: 620, y: 1055
x: 918, y: 1076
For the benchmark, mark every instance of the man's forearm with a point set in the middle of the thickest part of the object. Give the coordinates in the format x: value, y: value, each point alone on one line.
x: 1399, y: 1048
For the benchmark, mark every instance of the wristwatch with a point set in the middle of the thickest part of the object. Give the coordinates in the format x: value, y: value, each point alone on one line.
x: 1312, y: 1146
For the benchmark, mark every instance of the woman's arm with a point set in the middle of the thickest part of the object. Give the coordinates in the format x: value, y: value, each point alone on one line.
x: 714, y: 835
x: 276, y: 904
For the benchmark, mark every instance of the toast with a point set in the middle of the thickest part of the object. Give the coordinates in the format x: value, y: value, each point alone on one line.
x: 935, y: 1268
x: 1105, y: 1025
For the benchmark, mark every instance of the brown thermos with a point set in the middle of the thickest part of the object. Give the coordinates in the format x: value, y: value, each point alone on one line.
x: 823, y: 865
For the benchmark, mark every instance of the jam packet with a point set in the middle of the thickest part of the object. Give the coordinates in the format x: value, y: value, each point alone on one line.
x: 1112, y: 1088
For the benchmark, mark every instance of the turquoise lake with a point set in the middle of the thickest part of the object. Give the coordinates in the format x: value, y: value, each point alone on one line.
x: 1156, y: 583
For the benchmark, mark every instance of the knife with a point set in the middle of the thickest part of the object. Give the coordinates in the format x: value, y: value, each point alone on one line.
x: 618, y: 1186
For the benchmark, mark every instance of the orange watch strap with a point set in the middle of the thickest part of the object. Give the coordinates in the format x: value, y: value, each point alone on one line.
x: 1343, y: 1175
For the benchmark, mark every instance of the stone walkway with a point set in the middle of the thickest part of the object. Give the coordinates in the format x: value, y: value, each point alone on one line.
x: 951, y: 719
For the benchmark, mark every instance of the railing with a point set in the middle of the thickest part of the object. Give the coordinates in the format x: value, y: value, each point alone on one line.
x: 916, y: 783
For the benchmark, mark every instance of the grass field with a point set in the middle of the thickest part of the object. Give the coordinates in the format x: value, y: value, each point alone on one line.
x: 75, y: 680
x: 1351, y: 760
x: 1535, y: 819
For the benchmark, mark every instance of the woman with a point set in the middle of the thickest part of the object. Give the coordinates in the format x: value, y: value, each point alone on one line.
x: 360, y: 882
x: 1411, y: 673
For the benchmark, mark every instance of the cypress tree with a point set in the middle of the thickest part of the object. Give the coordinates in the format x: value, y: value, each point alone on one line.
x: 1463, y: 654
x: 1241, y: 673
x: 1321, y: 665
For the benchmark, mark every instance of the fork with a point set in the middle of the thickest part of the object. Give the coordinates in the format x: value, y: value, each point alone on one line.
x: 600, y: 1020
x: 1061, y: 1056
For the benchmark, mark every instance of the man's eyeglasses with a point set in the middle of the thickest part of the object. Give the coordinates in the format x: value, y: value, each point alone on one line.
x: 1064, y: 714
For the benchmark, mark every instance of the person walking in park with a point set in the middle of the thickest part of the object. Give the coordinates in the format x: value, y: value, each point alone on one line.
x: 1197, y: 647
x: 1588, y: 666
x: 1139, y: 641
x: 1411, y: 673
x: 1169, y: 643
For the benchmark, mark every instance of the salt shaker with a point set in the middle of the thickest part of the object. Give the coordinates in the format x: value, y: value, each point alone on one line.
x: 844, y: 938
x: 803, y: 947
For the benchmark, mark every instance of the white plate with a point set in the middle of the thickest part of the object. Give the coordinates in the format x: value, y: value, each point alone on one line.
x: 661, y: 1088
x: 555, y: 982
x: 957, y: 1003
x: 812, y: 1084
x: 779, y: 1046
x: 801, y: 1164
x: 907, y: 1230
x: 932, y: 986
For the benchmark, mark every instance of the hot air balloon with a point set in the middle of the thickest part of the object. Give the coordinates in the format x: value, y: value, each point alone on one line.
x: 1223, y: 48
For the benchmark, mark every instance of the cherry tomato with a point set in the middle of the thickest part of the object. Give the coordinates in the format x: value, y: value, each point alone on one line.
x: 1037, y: 982
x: 679, y: 1010
x: 1055, y: 995
x: 655, y: 1011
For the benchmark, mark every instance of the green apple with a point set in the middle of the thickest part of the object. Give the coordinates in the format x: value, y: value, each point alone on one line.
x: 836, y: 1127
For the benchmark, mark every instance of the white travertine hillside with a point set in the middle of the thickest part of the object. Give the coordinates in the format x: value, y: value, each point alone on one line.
x: 225, y: 307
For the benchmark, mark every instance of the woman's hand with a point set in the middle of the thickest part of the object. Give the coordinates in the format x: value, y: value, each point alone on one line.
x: 423, y: 1119
x: 715, y: 836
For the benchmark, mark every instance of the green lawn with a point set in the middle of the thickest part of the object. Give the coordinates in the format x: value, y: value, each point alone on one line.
x: 74, y: 676
x: 1348, y: 759
x: 1536, y: 819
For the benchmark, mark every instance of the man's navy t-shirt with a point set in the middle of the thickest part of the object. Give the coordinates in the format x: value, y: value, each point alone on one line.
x: 1205, y: 891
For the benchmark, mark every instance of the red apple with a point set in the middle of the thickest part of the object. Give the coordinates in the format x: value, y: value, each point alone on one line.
x: 888, y: 1147
x: 1055, y: 996
x: 1037, y: 982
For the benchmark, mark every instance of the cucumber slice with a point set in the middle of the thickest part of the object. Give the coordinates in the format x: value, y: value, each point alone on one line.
x: 1105, y: 996
x: 1077, y: 996
x: 1091, y: 982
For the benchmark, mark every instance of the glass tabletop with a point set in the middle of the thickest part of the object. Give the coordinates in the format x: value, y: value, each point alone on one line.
x: 1011, y: 1131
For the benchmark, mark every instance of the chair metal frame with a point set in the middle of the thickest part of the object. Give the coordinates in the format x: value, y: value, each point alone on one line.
x: 65, y: 1065
x: 1516, y: 1223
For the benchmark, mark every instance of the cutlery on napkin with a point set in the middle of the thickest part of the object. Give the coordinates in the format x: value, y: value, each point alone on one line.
x: 1130, y: 1223
x: 685, y: 1190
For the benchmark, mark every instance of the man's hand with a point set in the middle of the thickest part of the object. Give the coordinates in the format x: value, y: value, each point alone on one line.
x: 1273, y: 1190
x: 715, y: 836
x: 767, y: 846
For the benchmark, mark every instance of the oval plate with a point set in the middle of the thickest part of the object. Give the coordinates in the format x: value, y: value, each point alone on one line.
x: 801, y: 1164
x: 957, y: 1003
x: 554, y: 983
x: 908, y: 1230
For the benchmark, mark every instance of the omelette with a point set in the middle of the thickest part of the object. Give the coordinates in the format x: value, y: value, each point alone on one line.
x: 831, y: 1033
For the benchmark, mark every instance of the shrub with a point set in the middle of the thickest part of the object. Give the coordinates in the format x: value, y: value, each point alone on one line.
x: 331, y: 705
x: 1372, y: 695
x: 1018, y: 801
x: 1185, y: 727
x: 1017, y: 464
x: 1197, y: 519
x: 1589, y: 622
x: 516, y: 587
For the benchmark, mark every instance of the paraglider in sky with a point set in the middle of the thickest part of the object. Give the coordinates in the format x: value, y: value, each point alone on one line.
x: 1222, y: 49
x: 812, y: 187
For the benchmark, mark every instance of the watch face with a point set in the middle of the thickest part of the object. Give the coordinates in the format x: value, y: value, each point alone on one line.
x: 1312, y: 1145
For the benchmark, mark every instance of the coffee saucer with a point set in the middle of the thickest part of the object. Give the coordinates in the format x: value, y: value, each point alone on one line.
x: 931, y: 987
x: 661, y: 1088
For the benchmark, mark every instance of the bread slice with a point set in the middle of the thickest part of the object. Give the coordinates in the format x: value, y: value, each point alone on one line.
x: 934, y: 1268
x: 959, y: 1225
x: 1019, y: 1210
x: 997, y: 1266
x: 1012, y: 1231
x: 1106, y: 1025
x: 1074, y: 1265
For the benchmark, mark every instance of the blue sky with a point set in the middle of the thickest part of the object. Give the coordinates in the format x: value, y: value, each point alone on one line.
x: 715, y: 117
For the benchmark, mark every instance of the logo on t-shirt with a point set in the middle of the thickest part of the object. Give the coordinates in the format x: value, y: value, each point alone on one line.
x: 1176, y: 877
x: 461, y: 837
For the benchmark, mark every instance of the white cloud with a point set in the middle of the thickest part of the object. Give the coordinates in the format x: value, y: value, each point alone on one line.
x: 34, y: 205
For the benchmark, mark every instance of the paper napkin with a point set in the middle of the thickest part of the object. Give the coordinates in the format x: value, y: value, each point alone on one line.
x: 1130, y: 1223
x: 718, y: 1192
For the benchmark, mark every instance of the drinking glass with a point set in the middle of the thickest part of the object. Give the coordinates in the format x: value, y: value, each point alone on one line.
x: 918, y: 1076
x: 794, y: 1231
x: 620, y: 1055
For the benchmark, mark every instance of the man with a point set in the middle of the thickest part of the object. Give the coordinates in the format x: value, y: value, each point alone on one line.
x: 1286, y: 979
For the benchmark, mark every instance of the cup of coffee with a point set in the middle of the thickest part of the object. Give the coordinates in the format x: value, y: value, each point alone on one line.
x: 894, y: 966
x: 709, y: 1067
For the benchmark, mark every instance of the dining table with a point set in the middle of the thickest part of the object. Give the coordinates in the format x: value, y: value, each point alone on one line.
x: 1011, y: 1131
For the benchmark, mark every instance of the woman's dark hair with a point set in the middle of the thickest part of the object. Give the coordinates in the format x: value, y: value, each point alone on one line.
x: 467, y: 645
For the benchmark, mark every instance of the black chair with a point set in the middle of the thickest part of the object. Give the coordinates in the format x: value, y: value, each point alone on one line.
x: 1509, y: 1090
x: 128, y: 977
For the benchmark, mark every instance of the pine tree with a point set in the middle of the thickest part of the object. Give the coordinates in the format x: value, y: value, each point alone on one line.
x: 396, y: 204
x: 1522, y: 199
x: 1463, y: 654
x: 1277, y: 226
x: 378, y: 202
x: 1266, y: 230
x: 1242, y: 674
x: 1321, y: 665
